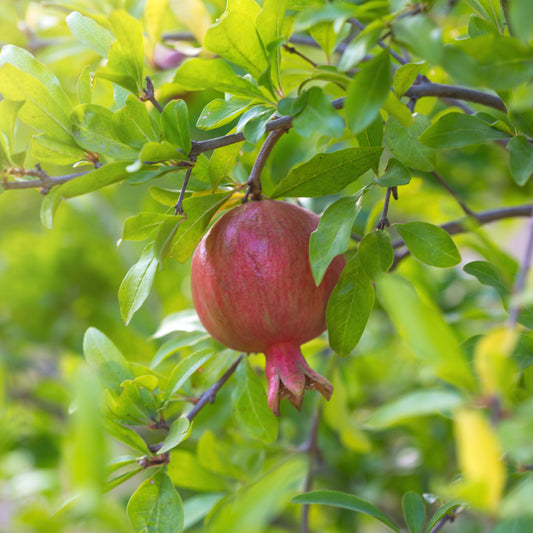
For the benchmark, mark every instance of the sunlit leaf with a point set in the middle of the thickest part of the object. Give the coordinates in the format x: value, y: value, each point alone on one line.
x: 155, y: 507
x: 345, y: 501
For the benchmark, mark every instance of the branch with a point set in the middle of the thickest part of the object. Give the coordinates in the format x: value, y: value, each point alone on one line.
x: 178, y: 208
x: 456, y: 92
x: 462, y: 225
x: 384, y: 221
x: 149, y: 94
x: 210, y: 394
x: 254, y: 181
x: 45, y: 182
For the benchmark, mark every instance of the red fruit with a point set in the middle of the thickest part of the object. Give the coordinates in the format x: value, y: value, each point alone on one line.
x: 253, y: 290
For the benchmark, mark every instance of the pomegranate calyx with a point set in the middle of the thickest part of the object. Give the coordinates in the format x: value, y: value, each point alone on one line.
x: 289, y: 375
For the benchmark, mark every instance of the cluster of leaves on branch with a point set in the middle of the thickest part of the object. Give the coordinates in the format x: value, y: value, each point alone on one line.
x: 373, y: 113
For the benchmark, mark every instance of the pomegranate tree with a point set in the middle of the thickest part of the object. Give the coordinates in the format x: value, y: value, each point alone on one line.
x: 253, y: 290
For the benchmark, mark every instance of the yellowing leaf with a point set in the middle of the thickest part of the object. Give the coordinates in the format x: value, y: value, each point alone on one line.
x: 480, y: 460
x: 495, y: 369
x: 194, y: 15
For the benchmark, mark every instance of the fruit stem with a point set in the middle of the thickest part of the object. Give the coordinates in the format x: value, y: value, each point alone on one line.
x: 254, y: 181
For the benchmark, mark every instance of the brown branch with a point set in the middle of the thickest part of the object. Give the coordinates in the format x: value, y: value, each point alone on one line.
x: 443, y: 521
x: 459, y: 93
x: 149, y: 94
x: 254, y: 181
x: 178, y: 208
x: 209, y: 395
x: 462, y: 225
x: 45, y: 182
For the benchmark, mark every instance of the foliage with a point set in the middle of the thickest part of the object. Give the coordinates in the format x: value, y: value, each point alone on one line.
x: 408, y: 126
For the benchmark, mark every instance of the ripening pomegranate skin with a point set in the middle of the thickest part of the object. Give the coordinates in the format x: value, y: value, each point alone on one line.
x: 253, y: 290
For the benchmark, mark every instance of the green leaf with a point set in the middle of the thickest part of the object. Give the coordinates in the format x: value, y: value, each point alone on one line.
x: 84, y: 87
x: 520, y: 159
x: 176, y: 344
x: 178, y: 432
x: 406, y: 75
x: 367, y: 92
x: 219, y: 112
x: 318, y: 115
x: 129, y: 46
x: 175, y: 125
x: 421, y: 35
x: 396, y: 174
x: 491, y: 61
x: 166, y: 232
x: 344, y: 501
x: 520, y: 15
x: 332, y: 236
x: 199, y: 74
x: 404, y: 144
x: 106, y: 359
x: 133, y: 124
x: 136, y: 404
x: 488, y: 274
x: 90, y: 33
x: 26, y: 63
x: 253, y: 122
x: 328, y: 173
x: 125, y: 435
x: 94, y: 180
x: 444, y: 510
x: 139, y: 227
x: 155, y: 507
x: 256, y: 505
x: 360, y: 46
x: 234, y: 37
x: 186, y: 471
x: 41, y: 109
x: 375, y: 253
x: 137, y: 284
x: 186, y: 369
x: 250, y: 407
x: 47, y: 149
x: 92, y: 129
x: 221, y: 163
x: 428, y: 243
x: 424, y: 330
x: 414, y: 511
x: 199, y: 211
x: 453, y: 130
x: 157, y: 152
x: 413, y: 405
x: 349, y: 308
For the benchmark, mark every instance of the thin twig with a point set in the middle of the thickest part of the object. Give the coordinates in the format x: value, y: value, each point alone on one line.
x: 149, y: 94
x: 383, y: 221
x: 462, y: 225
x: 209, y: 395
x: 311, y: 447
x: 178, y: 208
x: 447, y: 186
x: 521, y: 280
x: 293, y: 50
x: 254, y: 181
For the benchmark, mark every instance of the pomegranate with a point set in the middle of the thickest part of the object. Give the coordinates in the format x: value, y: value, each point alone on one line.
x: 253, y: 290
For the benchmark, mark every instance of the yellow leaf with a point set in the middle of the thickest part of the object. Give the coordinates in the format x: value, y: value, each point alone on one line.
x: 480, y: 460
x: 495, y: 369
x: 193, y: 15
